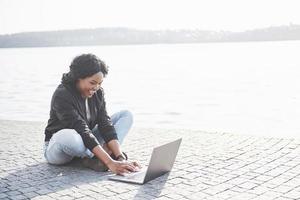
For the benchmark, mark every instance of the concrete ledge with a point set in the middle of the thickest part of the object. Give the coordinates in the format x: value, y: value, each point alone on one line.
x: 208, y: 166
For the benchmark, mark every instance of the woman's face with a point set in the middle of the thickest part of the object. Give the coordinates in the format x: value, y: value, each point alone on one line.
x: 89, y: 85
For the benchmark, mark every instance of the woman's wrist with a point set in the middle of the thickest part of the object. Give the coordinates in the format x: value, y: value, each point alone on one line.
x: 102, y: 155
x: 109, y: 163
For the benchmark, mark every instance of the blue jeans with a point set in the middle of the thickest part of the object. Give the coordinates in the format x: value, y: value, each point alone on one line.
x: 65, y: 144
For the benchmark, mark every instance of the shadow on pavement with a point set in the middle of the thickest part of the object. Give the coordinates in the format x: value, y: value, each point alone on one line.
x: 152, y: 189
x: 44, y: 178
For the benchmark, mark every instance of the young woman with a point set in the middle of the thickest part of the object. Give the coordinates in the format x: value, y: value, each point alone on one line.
x: 79, y: 125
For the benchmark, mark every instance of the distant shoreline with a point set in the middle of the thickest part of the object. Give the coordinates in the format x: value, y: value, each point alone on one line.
x: 219, y: 42
x: 127, y: 36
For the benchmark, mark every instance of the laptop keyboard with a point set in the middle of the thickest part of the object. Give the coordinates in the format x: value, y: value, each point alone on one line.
x: 135, y: 175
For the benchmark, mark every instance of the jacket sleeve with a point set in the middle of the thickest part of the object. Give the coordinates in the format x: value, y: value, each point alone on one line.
x: 69, y: 116
x: 105, y: 126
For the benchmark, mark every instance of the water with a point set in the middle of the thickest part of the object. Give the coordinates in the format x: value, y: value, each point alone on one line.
x: 244, y: 88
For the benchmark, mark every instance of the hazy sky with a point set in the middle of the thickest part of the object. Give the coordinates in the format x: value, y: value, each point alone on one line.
x: 234, y: 15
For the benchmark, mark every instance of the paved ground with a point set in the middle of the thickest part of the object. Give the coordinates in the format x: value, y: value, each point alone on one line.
x: 208, y: 166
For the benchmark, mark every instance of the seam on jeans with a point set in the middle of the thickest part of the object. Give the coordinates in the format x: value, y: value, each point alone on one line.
x: 45, y: 150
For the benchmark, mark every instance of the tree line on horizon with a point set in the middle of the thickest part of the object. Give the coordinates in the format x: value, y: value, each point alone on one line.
x: 126, y: 36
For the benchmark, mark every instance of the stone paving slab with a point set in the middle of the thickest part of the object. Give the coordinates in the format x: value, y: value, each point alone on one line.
x: 208, y: 166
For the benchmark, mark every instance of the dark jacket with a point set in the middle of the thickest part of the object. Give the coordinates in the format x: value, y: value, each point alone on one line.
x: 68, y: 111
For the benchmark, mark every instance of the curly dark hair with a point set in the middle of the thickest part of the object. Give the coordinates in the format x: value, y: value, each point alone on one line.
x: 83, y: 66
x: 86, y: 63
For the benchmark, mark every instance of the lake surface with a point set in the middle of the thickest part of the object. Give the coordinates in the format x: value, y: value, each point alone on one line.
x: 244, y: 88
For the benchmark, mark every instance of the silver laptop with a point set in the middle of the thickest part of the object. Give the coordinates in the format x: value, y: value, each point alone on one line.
x: 161, y: 162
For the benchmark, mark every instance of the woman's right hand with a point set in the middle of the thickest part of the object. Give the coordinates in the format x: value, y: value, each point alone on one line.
x: 121, y: 167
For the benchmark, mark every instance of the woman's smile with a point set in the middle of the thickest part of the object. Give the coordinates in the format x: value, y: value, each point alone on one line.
x: 89, y: 85
x: 91, y: 92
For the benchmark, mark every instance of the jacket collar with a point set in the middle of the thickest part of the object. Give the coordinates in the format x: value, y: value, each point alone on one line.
x: 74, y: 90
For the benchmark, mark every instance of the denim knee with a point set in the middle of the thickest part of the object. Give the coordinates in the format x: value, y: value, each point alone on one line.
x: 71, y: 141
x: 128, y: 115
x: 124, y: 121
